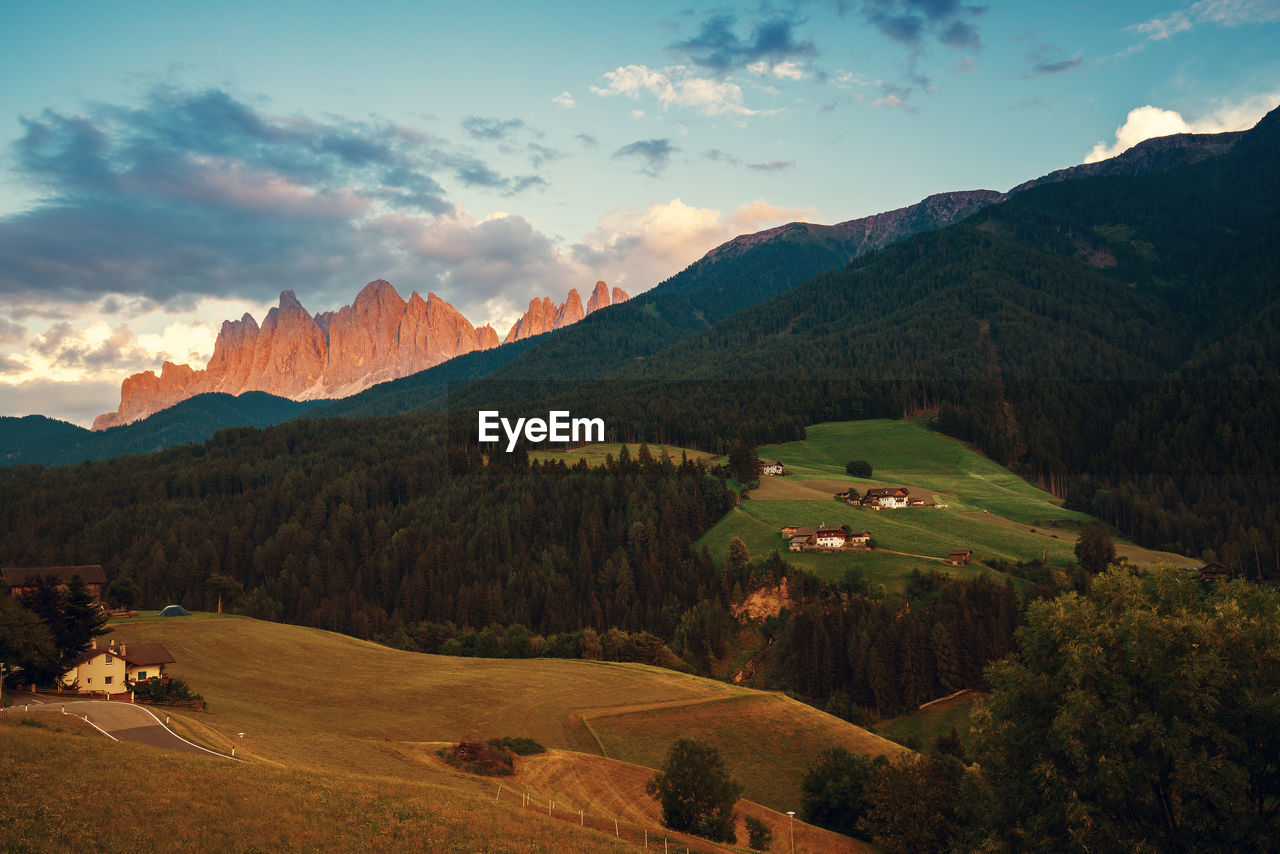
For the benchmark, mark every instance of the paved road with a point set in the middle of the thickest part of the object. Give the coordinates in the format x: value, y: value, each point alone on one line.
x: 120, y: 721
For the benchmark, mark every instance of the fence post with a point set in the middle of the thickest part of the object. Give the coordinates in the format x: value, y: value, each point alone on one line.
x: 615, y: 829
x: 581, y: 818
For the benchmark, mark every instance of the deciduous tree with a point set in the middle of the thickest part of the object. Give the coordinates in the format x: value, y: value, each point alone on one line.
x: 695, y: 790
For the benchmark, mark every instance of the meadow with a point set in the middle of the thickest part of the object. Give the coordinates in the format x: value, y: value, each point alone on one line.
x: 146, y: 799
x: 989, y: 510
x: 597, y: 454
x: 311, y: 700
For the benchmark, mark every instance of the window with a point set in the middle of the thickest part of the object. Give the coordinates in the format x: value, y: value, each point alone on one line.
x: 142, y: 675
x: 88, y: 680
x: 107, y: 680
x: 107, y: 658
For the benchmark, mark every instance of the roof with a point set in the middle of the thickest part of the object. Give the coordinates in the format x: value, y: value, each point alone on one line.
x: 24, y: 576
x: 882, y: 492
x: 857, y: 535
x: 145, y: 653
x: 960, y: 552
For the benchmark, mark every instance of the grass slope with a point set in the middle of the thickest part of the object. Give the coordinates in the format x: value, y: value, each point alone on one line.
x: 768, y: 741
x: 990, y: 510
x: 320, y: 701
x: 91, y: 794
x: 595, y: 454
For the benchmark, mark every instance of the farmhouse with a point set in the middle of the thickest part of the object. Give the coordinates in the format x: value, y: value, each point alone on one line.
x: 24, y: 578
x: 888, y: 498
x: 830, y: 538
x: 824, y: 537
x: 111, y: 668
x: 774, y: 469
x: 959, y: 557
x: 1213, y: 572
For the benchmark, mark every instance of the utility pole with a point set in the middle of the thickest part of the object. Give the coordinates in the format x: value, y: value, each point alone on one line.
x: 792, y: 826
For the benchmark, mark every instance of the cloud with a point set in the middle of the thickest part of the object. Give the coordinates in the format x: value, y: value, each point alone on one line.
x: 654, y: 155
x: 65, y: 346
x: 909, y: 22
x: 10, y: 332
x: 716, y: 155
x: 915, y: 24
x: 77, y: 402
x: 718, y: 48
x: 483, y: 128
x: 1147, y: 122
x: 772, y: 165
x: 540, y: 155
x: 1041, y: 66
x: 636, y: 249
x: 10, y: 365
x: 676, y: 86
x: 1225, y: 13
x: 565, y: 100
x: 587, y: 140
x: 186, y: 194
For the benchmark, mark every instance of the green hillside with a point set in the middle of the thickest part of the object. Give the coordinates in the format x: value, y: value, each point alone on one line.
x: 989, y: 510
x: 36, y: 439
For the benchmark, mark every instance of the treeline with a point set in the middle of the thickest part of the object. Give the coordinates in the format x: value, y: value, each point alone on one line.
x: 370, y: 527
x: 889, y: 654
x: 1085, y: 743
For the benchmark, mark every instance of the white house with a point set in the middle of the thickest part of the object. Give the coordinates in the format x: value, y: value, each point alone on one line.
x: 773, y: 469
x: 888, y: 498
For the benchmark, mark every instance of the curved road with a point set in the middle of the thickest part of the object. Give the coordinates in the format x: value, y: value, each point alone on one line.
x: 116, y: 720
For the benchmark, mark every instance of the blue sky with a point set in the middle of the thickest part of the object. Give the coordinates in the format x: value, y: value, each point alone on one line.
x: 165, y: 167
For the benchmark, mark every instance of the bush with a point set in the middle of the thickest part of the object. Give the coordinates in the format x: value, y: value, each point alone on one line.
x: 159, y: 689
x: 475, y: 758
x: 758, y: 834
x: 518, y: 746
x: 858, y: 468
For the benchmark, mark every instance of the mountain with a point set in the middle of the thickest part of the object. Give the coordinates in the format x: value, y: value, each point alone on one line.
x: 1152, y: 155
x: 544, y: 316
x: 379, y: 337
x: 36, y: 439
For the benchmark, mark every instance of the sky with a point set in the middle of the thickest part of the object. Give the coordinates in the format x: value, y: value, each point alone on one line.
x: 164, y: 167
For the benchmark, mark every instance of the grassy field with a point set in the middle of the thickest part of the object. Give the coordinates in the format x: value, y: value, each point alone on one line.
x: 580, y: 781
x: 595, y: 454
x: 90, y: 794
x: 990, y: 510
x: 924, y: 725
x: 904, y: 453
x: 323, y: 702
x: 768, y: 741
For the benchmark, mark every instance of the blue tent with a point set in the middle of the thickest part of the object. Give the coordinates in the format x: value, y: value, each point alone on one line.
x: 174, y: 611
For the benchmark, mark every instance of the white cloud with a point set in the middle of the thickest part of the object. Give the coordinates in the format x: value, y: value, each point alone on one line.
x: 788, y: 70
x: 1148, y: 122
x: 676, y: 86
x: 637, y: 249
x: 564, y: 99
x: 1226, y: 13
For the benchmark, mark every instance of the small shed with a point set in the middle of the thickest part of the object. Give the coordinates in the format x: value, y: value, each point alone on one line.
x: 173, y: 611
x: 959, y: 557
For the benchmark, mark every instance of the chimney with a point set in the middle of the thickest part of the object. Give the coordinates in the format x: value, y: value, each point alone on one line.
x: 93, y: 643
x: 122, y: 652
